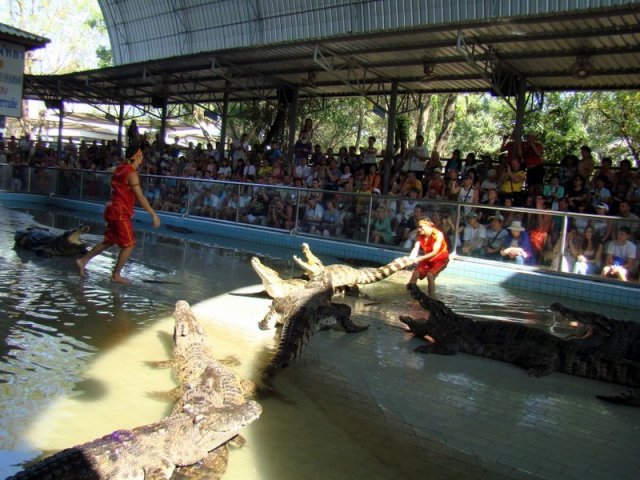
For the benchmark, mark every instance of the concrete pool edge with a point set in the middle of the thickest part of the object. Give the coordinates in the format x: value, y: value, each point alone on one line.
x: 488, y: 272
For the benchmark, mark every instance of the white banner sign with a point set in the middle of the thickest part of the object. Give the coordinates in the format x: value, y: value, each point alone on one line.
x: 11, y: 71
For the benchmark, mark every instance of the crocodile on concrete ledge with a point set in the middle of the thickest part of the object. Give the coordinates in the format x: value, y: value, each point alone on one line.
x: 342, y: 276
x: 536, y: 350
x: 211, y: 411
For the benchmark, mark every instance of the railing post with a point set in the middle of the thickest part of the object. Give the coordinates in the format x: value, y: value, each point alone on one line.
x: 369, y: 218
x: 563, y: 240
x: 295, y: 227
x: 456, y: 234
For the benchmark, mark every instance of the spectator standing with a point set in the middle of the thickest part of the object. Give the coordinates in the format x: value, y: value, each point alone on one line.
x: 532, y: 155
x: 415, y: 158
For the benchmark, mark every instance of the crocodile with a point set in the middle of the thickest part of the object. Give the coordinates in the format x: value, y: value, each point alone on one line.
x: 304, y: 312
x: 47, y: 244
x: 211, y: 411
x: 536, y: 350
x: 343, y: 277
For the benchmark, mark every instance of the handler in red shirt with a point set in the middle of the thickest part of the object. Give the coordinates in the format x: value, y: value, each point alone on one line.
x: 125, y: 190
x: 436, y: 254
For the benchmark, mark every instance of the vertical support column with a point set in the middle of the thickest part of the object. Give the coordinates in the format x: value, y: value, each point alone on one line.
x: 391, y: 127
x: 223, y: 128
x: 60, y: 125
x: 293, y: 112
x: 163, y: 121
x: 120, y: 127
x: 521, y: 103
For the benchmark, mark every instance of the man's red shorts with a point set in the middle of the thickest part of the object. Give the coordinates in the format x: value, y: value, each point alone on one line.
x: 433, y: 265
x: 119, y: 227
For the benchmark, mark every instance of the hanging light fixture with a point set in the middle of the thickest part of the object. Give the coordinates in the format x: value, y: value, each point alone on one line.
x: 582, y: 67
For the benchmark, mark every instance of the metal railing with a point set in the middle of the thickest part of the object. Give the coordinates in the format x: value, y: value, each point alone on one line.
x: 348, y: 217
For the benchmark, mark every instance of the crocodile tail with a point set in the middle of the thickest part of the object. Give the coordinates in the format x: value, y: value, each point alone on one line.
x: 372, y: 275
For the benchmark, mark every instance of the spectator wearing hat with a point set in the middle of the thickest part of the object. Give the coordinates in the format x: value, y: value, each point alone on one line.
x: 620, y: 256
x: 474, y: 236
x: 517, y: 246
x: 602, y: 227
x: 496, y: 236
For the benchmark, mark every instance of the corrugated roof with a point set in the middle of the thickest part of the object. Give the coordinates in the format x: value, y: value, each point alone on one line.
x: 569, y: 49
x: 30, y: 41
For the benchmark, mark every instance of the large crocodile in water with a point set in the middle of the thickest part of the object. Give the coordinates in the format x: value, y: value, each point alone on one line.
x: 212, y: 410
x: 599, y: 354
x: 47, y: 244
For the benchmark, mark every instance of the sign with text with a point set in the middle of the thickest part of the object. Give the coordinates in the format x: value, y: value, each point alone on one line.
x: 11, y: 72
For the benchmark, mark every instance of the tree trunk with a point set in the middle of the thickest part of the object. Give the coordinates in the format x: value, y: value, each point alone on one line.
x: 448, y: 122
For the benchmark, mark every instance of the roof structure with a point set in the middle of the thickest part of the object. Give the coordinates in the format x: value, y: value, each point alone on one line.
x: 30, y: 41
x: 331, y: 48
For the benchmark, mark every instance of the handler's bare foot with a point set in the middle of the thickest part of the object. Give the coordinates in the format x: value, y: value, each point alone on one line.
x: 119, y: 279
x: 81, y: 264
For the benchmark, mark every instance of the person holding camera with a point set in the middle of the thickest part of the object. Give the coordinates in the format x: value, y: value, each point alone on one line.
x: 512, y: 181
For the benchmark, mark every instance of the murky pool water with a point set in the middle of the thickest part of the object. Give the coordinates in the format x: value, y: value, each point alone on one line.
x: 75, y: 364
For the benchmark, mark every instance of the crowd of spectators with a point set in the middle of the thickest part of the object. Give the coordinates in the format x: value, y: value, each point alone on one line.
x: 340, y: 187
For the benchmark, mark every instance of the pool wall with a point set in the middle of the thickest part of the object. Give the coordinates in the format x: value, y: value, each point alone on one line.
x: 526, y: 278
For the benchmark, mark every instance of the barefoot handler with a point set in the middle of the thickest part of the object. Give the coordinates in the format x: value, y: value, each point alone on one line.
x: 125, y: 188
x: 436, y: 254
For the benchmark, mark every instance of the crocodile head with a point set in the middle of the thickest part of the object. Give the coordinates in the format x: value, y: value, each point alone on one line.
x: 273, y: 284
x: 73, y: 236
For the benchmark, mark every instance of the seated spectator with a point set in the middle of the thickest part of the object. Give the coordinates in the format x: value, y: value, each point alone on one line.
x: 588, y: 254
x: 373, y: 180
x: 496, y: 236
x: 330, y: 220
x: 577, y: 192
x: 256, y: 211
x: 411, y: 183
x: 606, y: 170
x: 474, y: 236
x: 381, y: 231
x: 631, y: 220
x: 620, y: 256
x: 517, y: 246
x: 599, y: 193
x: 633, y: 193
x: 313, y: 215
x: 491, y: 203
x: 466, y: 192
x: 553, y: 191
x: 601, y: 226
x: 490, y: 182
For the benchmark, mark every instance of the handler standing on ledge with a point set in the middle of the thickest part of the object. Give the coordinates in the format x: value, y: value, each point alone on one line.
x: 436, y: 256
x: 125, y: 190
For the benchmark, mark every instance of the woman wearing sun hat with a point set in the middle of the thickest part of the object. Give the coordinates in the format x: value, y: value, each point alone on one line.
x: 517, y: 246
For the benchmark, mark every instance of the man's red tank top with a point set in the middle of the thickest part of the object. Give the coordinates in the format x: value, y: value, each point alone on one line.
x: 427, y: 246
x: 121, y: 194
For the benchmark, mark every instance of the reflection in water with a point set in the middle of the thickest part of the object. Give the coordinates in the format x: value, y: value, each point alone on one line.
x: 76, y: 364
